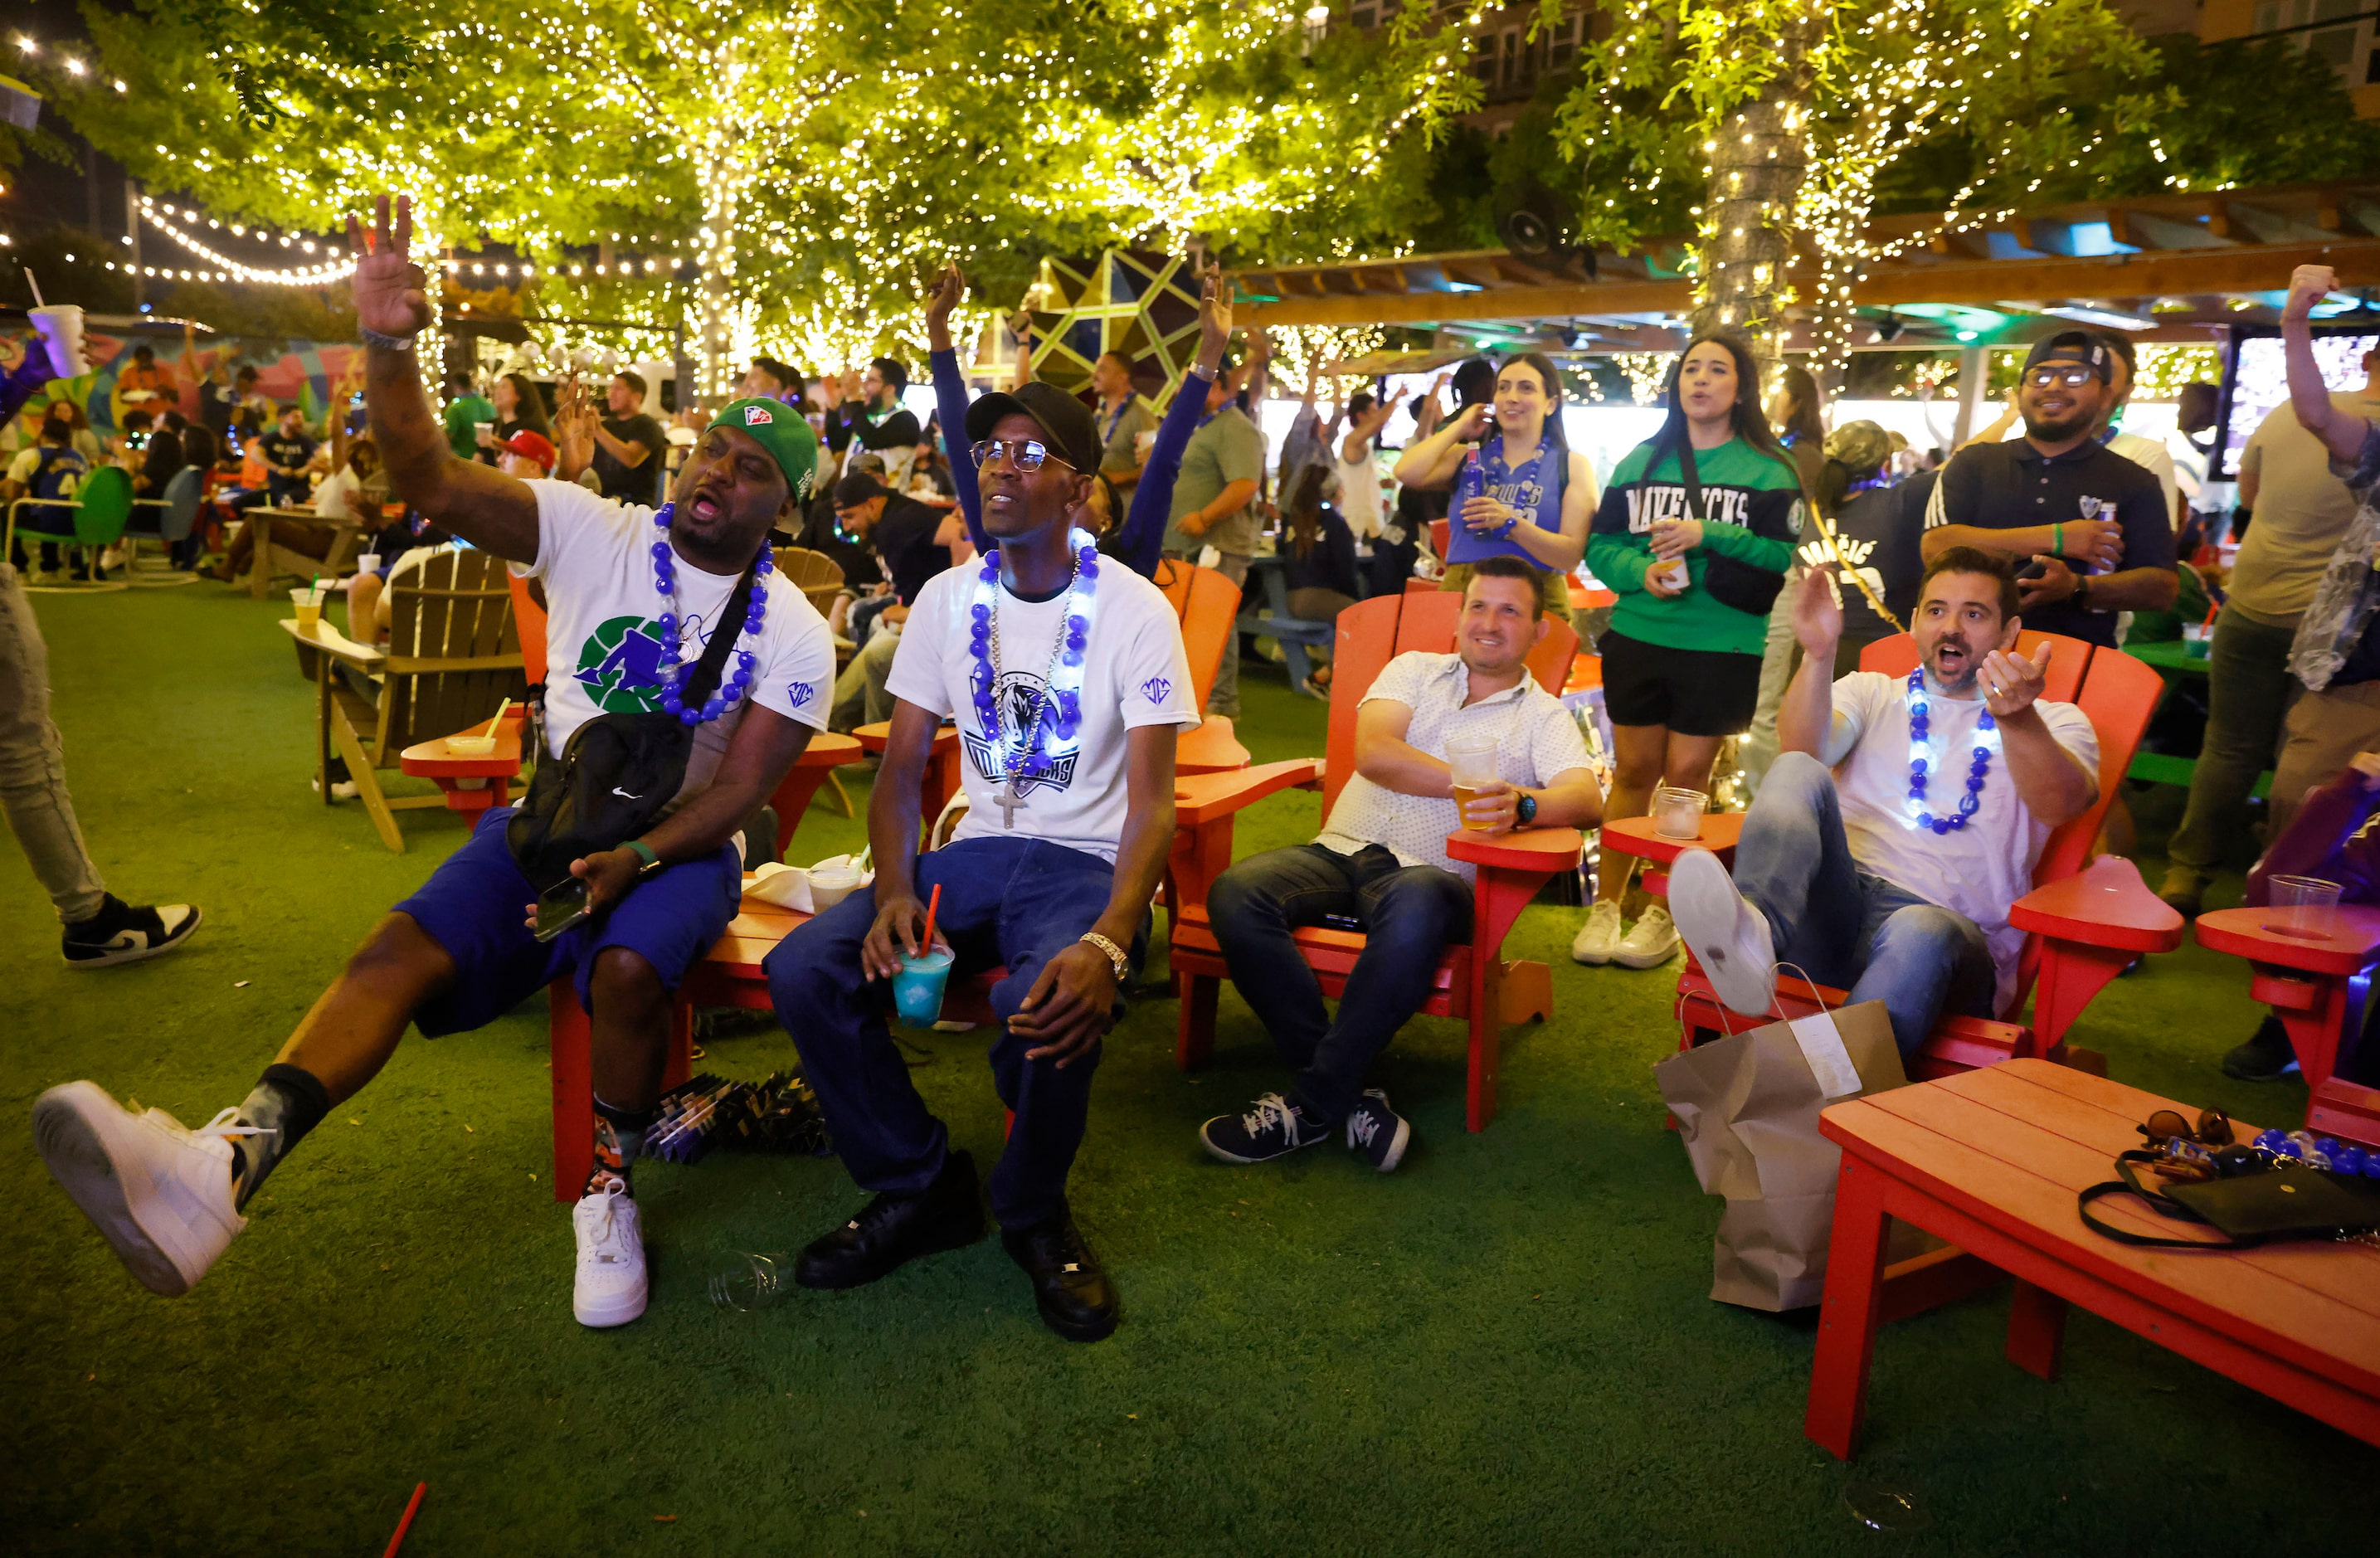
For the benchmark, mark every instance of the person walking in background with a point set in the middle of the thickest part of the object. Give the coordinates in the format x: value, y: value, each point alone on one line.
x: 1694, y: 535
x: 1532, y: 497
x: 2302, y: 509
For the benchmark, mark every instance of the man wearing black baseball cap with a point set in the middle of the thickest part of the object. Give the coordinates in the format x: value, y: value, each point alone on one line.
x: 2087, y: 527
x: 1068, y: 429
x: 912, y: 544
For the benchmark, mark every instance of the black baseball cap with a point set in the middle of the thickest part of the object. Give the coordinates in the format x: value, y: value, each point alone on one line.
x: 1072, y: 432
x: 856, y: 489
x: 2072, y: 346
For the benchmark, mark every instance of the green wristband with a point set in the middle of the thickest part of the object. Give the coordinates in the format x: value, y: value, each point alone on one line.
x: 643, y: 852
x: 2058, y: 541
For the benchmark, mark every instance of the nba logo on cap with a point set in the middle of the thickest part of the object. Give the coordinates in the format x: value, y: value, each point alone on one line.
x: 755, y: 416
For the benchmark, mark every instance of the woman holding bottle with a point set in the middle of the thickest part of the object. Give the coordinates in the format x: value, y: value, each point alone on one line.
x: 1523, y: 493
x: 1694, y: 535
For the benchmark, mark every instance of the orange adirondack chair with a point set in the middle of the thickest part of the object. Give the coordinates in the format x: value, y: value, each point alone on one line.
x: 1473, y: 981
x: 1207, y: 604
x: 2085, y: 922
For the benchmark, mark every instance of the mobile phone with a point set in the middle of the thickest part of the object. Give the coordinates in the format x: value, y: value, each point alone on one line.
x: 561, y: 906
x: 2032, y: 571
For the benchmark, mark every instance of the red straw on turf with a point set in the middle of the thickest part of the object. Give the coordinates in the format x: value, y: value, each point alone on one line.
x: 933, y: 902
x: 406, y: 1520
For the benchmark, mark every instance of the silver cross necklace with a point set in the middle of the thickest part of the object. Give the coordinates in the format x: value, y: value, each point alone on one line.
x: 1013, y: 757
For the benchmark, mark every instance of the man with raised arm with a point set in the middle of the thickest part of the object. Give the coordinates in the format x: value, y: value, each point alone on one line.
x: 1066, y: 676
x: 635, y: 599
x: 1903, y: 817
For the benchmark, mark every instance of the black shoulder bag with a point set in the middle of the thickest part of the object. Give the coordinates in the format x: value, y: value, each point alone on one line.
x: 1731, y: 582
x: 618, y: 771
x: 2246, y: 1209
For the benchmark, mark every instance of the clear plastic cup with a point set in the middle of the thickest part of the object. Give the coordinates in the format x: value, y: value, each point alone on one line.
x: 2195, y: 639
x: 1678, y: 812
x: 309, y: 602
x: 2306, y: 906
x: 1473, y: 760
x: 918, y: 988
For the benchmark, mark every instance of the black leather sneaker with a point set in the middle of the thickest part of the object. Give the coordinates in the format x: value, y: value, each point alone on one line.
x: 894, y: 1229
x: 1070, y: 1287
x: 2267, y: 1057
x: 122, y: 932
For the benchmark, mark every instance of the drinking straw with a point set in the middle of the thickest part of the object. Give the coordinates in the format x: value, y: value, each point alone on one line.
x: 501, y: 709
x: 36, y: 287
x: 406, y: 1520
x: 2212, y: 607
x: 933, y: 902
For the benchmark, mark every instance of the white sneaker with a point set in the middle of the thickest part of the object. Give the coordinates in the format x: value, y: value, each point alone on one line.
x: 341, y: 789
x: 610, y: 1289
x: 157, y: 1191
x: 1649, y: 943
x: 1730, y: 938
x: 1599, y: 936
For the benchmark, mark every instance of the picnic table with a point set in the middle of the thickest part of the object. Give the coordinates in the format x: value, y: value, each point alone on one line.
x: 1991, y: 1160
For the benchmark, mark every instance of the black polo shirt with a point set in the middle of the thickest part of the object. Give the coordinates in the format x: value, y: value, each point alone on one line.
x: 903, y: 541
x: 2012, y: 485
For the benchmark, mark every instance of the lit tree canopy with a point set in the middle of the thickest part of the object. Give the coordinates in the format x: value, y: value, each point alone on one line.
x: 810, y: 161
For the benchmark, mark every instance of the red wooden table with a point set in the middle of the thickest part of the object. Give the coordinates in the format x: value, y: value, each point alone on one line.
x: 943, y: 777
x: 1718, y: 833
x: 1991, y: 1160
x: 2310, y: 981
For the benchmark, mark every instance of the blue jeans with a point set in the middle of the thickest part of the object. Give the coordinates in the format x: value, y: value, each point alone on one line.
x: 1017, y: 902
x: 1843, y: 926
x: 1408, y: 914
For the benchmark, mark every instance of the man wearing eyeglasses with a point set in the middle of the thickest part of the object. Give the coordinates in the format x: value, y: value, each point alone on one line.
x: 2086, y: 527
x: 1066, y: 678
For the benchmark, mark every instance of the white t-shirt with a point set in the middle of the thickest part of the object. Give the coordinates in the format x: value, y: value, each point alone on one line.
x: 2152, y: 455
x: 1977, y: 870
x: 337, y: 497
x: 1537, y: 741
x: 1135, y: 673
x: 602, y: 629
x: 1359, y: 492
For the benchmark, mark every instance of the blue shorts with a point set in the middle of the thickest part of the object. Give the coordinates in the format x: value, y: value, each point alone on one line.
x: 477, y: 906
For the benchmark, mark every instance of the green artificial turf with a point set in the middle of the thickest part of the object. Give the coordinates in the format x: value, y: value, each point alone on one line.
x: 1505, y: 1346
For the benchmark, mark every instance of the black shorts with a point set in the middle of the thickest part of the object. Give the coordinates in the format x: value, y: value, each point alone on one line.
x: 1693, y: 692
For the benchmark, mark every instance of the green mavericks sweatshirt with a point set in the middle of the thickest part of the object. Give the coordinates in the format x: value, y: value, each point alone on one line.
x: 1751, y: 516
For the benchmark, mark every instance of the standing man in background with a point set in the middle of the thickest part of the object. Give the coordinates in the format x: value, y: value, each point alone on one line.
x: 1212, y: 506
x: 877, y: 421
x: 1122, y: 418
x: 2302, y: 510
x: 628, y: 444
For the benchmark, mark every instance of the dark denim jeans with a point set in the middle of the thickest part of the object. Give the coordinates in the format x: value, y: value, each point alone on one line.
x: 1845, y: 927
x: 1408, y: 914
x: 1013, y: 902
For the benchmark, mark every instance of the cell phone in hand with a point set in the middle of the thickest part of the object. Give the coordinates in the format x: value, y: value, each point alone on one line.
x: 561, y: 906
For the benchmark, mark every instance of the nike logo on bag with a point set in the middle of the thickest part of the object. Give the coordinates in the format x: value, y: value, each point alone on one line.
x: 624, y: 794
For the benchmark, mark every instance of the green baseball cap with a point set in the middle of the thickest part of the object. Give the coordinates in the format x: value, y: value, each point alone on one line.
x: 779, y: 430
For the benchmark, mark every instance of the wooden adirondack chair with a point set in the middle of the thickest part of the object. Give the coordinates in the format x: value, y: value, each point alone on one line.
x: 1473, y: 981
x: 2085, y: 922
x: 815, y: 574
x: 453, y: 655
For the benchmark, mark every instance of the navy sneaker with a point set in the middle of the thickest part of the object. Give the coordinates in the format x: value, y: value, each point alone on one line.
x: 1379, y: 1132
x: 1272, y: 1128
x: 121, y: 932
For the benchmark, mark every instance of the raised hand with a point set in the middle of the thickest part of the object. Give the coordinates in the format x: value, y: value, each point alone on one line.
x: 390, y: 291
x: 1471, y: 422
x: 2011, y: 682
x: 2309, y: 284
x: 949, y: 288
x: 1818, y: 613
x: 1214, y: 316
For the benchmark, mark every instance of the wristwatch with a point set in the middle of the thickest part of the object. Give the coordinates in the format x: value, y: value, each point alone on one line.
x: 2081, y: 596
x: 1524, y: 811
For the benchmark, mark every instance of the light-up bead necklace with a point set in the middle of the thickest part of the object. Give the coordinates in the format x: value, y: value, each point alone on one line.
x: 730, y: 692
x: 1987, y: 738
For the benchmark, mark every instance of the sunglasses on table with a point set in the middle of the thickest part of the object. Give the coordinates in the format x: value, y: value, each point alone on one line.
x: 1024, y: 454
x: 2074, y: 377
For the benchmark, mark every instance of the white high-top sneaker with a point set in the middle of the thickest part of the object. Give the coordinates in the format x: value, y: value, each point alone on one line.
x: 156, y: 1190
x: 1599, y: 937
x: 1730, y: 938
x: 611, y: 1284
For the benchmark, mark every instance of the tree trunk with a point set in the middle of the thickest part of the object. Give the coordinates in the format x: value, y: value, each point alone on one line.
x: 1758, y: 157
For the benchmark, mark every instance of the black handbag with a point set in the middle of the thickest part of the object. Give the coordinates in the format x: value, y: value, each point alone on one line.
x: 2275, y: 1202
x: 617, y: 773
x: 1731, y: 581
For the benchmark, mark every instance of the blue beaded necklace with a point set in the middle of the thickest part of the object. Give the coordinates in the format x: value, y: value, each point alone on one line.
x: 1987, y: 739
x: 1061, y: 693
x: 672, y: 671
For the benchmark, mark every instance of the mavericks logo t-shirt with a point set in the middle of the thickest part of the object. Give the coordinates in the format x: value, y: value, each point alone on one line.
x: 1135, y: 673
x: 603, y: 634
x: 1751, y: 515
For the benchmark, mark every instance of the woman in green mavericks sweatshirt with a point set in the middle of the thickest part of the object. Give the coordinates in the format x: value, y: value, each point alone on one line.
x: 1694, y: 533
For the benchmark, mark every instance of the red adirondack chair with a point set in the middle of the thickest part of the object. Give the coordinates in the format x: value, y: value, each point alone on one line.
x: 1207, y: 604
x: 1473, y: 981
x: 2085, y: 922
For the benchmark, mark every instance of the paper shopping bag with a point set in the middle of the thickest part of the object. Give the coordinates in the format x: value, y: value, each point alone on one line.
x: 1747, y: 1110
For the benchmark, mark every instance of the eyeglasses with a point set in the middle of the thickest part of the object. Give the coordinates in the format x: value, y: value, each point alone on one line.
x: 2050, y: 377
x: 1024, y: 454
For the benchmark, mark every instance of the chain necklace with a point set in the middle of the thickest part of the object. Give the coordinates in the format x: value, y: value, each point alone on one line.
x: 1059, y: 692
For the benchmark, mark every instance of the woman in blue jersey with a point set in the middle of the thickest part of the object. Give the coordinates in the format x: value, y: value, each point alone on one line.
x: 1534, y: 497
